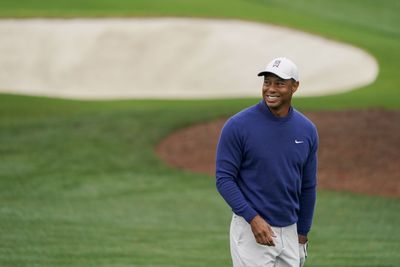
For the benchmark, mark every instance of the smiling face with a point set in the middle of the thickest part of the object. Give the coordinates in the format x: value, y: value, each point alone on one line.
x: 277, y: 93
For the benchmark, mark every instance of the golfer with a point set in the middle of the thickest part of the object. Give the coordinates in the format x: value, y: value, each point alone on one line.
x: 266, y: 166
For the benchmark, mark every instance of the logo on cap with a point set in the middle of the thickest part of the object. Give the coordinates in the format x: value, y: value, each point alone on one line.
x: 276, y: 63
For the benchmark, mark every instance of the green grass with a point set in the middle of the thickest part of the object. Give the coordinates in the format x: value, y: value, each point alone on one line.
x: 80, y: 184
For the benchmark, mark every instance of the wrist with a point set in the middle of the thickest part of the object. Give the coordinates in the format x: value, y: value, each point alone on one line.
x: 255, y: 219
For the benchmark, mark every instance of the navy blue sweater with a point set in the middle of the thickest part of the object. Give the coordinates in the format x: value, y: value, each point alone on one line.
x: 267, y: 165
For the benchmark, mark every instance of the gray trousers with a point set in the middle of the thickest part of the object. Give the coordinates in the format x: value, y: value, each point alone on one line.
x: 246, y: 252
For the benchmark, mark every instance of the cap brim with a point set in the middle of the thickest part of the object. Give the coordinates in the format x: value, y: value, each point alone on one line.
x: 263, y: 73
x: 280, y: 75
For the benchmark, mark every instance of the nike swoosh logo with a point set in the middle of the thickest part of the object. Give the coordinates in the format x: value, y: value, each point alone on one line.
x: 298, y: 142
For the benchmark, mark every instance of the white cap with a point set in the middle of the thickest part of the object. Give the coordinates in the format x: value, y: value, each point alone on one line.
x: 283, y: 68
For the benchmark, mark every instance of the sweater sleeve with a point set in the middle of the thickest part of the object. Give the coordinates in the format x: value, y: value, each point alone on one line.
x: 308, y: 190
x: 228, y: 161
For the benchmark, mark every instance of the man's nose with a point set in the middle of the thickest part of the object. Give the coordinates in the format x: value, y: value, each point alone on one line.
x: 272, y: 87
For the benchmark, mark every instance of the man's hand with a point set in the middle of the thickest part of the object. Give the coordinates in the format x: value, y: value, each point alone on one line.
x: 303, y: 239
x: 262, y: 231
x: 303, y: 249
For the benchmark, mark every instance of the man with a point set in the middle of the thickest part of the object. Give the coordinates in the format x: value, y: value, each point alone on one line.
x: 266, y: 168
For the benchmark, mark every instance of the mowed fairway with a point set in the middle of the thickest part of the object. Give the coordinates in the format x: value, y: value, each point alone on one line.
x: 80, y: 184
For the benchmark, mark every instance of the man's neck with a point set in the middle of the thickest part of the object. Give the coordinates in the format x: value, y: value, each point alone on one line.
x: 280, y: 113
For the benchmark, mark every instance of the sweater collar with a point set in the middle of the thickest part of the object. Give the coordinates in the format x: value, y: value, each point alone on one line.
x: 265, y: 109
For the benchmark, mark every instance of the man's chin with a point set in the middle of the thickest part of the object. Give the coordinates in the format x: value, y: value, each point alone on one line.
x: 272, y: 105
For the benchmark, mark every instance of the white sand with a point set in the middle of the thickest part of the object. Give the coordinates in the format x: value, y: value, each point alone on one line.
x: 168, y: 58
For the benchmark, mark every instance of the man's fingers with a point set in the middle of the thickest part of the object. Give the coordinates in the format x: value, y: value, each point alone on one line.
x: 265, y: 239
x: 271, y: 241
x: 270, y: 237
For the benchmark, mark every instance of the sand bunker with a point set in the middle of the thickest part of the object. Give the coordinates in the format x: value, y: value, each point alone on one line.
x: 167, y: 58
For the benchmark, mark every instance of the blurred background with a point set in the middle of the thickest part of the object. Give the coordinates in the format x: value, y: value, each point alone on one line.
x: 101, y: 172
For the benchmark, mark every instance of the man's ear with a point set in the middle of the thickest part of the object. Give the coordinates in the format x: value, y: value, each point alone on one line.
x: 295, y: 85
